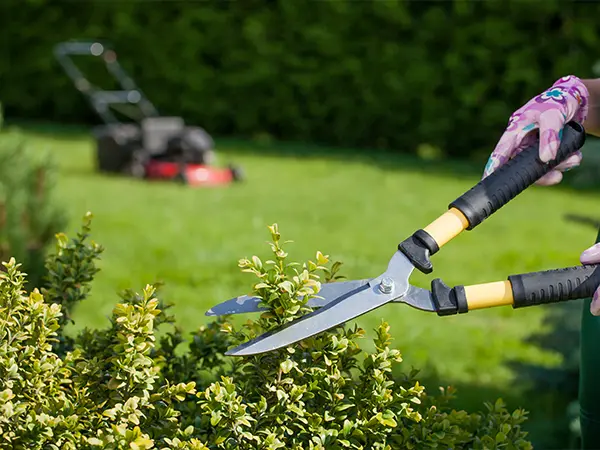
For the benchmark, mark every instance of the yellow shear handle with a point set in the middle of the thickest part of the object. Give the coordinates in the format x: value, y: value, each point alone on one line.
x: 488, y: 295
x: 447, y: 226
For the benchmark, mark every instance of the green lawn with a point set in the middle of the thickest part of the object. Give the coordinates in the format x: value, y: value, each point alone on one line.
x: 354, y: 208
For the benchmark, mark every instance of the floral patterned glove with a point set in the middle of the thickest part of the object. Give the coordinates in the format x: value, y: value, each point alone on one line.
x: 566, y: 100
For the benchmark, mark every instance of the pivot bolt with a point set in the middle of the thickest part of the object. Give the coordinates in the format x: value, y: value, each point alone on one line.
x: 387, y: 285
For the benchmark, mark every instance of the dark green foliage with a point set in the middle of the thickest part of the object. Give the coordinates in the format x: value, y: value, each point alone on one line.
x: 391, y: 74
x: 30, y: 212
x: 587, y: 175
x: 555, y: 389
x: 120, y: 388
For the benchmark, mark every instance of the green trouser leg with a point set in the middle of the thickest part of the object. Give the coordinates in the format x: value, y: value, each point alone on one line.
x: 589, y: 377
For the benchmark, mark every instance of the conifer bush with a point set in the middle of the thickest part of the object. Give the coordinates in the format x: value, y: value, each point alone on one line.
x: 30, y: 212
x: 123, y: 387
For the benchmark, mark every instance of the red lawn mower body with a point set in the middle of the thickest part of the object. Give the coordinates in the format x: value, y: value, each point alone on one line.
x: 192, y: 174
x: 151, y: 147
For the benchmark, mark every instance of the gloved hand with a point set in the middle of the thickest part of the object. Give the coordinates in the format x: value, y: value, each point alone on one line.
x: 542, y: 118
x: 592, y: 256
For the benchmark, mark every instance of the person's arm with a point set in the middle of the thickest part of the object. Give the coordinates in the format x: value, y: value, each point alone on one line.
x: 592, y: 123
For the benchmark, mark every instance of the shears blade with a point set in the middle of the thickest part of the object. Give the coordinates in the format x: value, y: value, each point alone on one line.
x: 391, y: 285
x: 418, y: 298
x: 249, y: 304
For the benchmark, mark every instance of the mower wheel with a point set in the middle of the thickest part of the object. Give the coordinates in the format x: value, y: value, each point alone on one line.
x: 181, y: 176
x: 137, y: 166
x: 236, y: 173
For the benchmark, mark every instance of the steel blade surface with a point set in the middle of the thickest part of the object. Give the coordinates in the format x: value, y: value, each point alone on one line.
x: 247, y: 304
x: 345, y: 308
x: 418, y: 298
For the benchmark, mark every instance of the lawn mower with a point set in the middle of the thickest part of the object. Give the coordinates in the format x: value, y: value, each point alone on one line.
x: 148, y: 146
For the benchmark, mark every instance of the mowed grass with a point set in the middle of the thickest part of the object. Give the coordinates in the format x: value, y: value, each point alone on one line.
x: 354, y: 208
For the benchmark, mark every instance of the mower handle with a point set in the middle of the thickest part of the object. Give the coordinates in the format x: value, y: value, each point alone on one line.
x: 101, y: 100
x: 93, y: 48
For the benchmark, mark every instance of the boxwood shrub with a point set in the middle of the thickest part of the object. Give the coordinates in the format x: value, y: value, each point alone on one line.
x: 140, y: 383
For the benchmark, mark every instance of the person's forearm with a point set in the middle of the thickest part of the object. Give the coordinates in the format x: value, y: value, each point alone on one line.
x: 592, y: 122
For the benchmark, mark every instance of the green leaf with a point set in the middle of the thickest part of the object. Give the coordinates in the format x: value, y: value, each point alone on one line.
x: 114, y: 384
x: 344, y: 407
x: 287, y: 365
x: 287, y: 286
x: 257, y: 262
x: 347, y: 428
x: 215, y: 418
x: 322, y: 259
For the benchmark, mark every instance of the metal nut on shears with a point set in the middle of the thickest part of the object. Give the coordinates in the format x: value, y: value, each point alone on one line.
x: 387, y: 285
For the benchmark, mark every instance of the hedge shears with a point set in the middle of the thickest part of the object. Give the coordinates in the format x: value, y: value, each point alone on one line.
x: 339, y: 302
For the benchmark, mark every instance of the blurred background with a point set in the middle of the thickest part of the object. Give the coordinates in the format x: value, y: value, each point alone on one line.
x: 350, y: 124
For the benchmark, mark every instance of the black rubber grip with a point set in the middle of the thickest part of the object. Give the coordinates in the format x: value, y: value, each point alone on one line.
x: 418, y: 248
x: 554, y: 286
x: 448, y: 301
x: 513, y: 177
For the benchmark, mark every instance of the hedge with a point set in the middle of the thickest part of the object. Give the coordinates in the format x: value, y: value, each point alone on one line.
x: 389, y: 74
x: 136, y: 385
